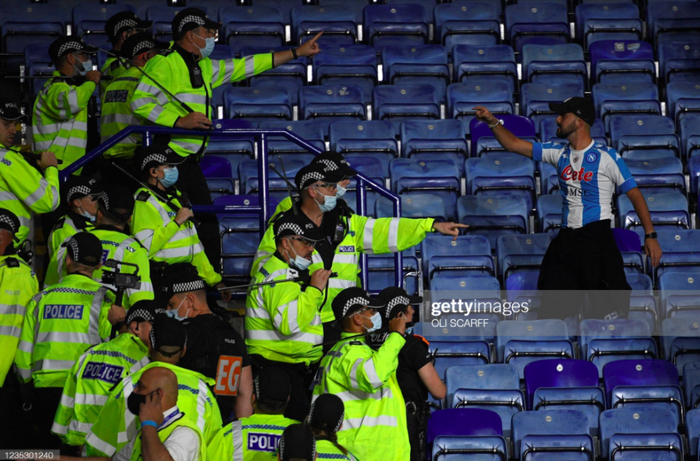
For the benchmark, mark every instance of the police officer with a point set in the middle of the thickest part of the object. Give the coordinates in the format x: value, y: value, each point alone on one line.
x: 283, y: 322
x: 60, y: 323
x: 256, y: 438
x: 117, y: 114
x: 297, y: 444
x: 325, y: 420
x: 416, y: 374
x: 80, y: 195
x: 24, y: 188
x: 119, y: 28
x: 22, y: 285
x: 60, y: 121
x: 365, y: 380
x: 95, y: 373
x: 214, y: 348
x: 189, y: 73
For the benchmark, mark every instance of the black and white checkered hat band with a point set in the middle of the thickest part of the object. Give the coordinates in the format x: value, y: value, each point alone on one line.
x: 6, y: 219
x: 330, y: 165
x: 129, y: 23
x: 337, y: 426
x: 146, y: 44
x: 85, y: 190
x: 399, y: 300
x: 188, y: 19
x: 105, y: 199
x: 160, y: 158
x: 69, y: 45
x: 73, y: 243
x: 186, y: 287
x: 312, y: 175
x: 134, y: 314
x: 256, y: 383
x: 289, y: 225
x: 354, y: 301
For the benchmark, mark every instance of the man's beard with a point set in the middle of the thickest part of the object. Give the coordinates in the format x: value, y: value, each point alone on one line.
x: 561, y: 133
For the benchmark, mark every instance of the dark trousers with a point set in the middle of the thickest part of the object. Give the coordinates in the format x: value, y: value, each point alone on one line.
x: 585, y: 259
x: 191, y: 182
x: 301, y: 378
x: 44, y: 406
x: 14, y: 423
x: 416, y: 423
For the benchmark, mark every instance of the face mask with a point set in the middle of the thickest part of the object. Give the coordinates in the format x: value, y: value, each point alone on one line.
x: 86, y: 66
x: 376, y: 322
x: 409, y: 330
x: 134, y: 401
x: 208, y: 47
x: 170, y: 177
x: 173, y: 312
x: 341, y: 191
x: 298, y: 262
x: 328, y: 204
x: 87, y: 215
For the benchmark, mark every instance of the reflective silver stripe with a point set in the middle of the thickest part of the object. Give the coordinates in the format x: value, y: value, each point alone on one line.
x: 369, y: 421
x: 8, y: 196
x: 100, y: 444
x: 156, y: 204
x: 91, y: 399
x: 201, y: 402
x: 24, y: 374
x: 192, y: 98
x: 62, y: 337
x: 354, y: 384
x: 140, y: 364
x: 316, y: 258
x: 347, y: 396
x: 124, y: 119
x: 95, y: 310
x: 257, y: 313
x: 37, y: 194
x: 170, y: 253
x: 154, y: 91
x: 276, y: 274
x: 56, y: 127
x: 77, y: 426
x: 345, y: 258
x: 292, y: 314
x: 146, y: 238
x: 183, y: 234
x: 12, y: 309
x: 271, y: 335
x: 190, y: 146
x: 229, y: 67
x: 341, y: 283
x: 155, y: 113
x: 367, y: 236
x: 59, y: 428
x: 394, y: 235
x: 76, y: 142
x: 43, y: 365
x: 249, y: 66
x: 265, y: 255
x: 43, y: 145
x: 71, y: 97
x: 140, y: 102
x: 10, y: 331
x: 372, y: 375
x: 67, y: 401
x: 237, y: 440
x: 26, y: 346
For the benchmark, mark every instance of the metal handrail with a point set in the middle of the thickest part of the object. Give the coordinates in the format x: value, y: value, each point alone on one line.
x: 261, y: 136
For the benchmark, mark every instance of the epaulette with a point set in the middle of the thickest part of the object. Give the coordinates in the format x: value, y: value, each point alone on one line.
x: 115, y: 65
x: 12, y: 262
x: 356, y: 343
x: 166, y: 52
x: 143, y: 196
x: 61, y: 221
x: 427, y: 343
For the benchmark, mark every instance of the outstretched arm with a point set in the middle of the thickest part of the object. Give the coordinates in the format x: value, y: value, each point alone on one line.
x: 507, y: 139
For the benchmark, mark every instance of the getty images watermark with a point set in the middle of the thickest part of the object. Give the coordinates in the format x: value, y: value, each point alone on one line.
x: 469, y: 310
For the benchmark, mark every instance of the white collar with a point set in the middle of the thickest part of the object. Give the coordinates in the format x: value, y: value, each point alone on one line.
x: 582, y: 151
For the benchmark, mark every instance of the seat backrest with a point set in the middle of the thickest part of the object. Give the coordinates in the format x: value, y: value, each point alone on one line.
x: 633, y: 91
x: 559, y: 373
x: 539, y: 92
x: 215, y: 167
x: 619, y: 50
x: 308, y: 130
x: 417, y: 55
x: 634, y: 421
x: 445, y: 245
x: 680, y: 241
x: 534, y: 13
x: 519, y: 245
x: 36, y: 13
x: 648, y: 372
x: 404, y: 94
x: 548, y: 422
x: 349, y: 55
x: 495, y: 376
x: 586, y: 11
x: 516, y: 124
x: 639, y: 125
x: 463, y: 11
x: 356, y: 132
x: 463, y: 421
x: 97, y: 14
x: 247, y: 14
x: 481, y: 286
x: 424, y: 133
x: 450, y: 448
x: 326, y: 13
x: 670, y: 10
x: 330, y: 94
x: 627, y: 240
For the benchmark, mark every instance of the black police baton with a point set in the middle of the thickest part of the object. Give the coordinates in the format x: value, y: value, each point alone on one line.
x: 298, y: 279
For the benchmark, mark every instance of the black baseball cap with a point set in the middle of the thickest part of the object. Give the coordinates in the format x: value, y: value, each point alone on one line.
x: 329, y: 410
x: 581, y: 107
x: 297, y: 442
x: 272, y: 385
x: 315, y: 172
x: 167, y: 332
x: 79, y: 186
x: 141, y: 43
x: 124, y: 20
x: 351, y: 300
x: 116, y: 200
x: 143, y: 311
x: 9, y: 110
x: 335, y: 163
x: 85, y: 248
x: 155, y: 155
x: 290, y: 224
x: 191, y: 18
x: 9, y: 221
x: 395, y: 300
x: 63, y: 46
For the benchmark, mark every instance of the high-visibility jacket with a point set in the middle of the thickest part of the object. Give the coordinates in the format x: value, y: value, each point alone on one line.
x: 362, y: 235
x: 19, y: 285
x: 23, y: 189
x: 328, y: 450
x: 60, y: 324
x: 66, y: 227
x: 375, y: 411
x: 117, y: 114
x: 255, y: 438
x: 153, y: 224
x: 60, y: 121
x: 90, y: 381
x: 116, y: 425
x: 282, y: 321
x: 172, y: 71
x: 113, y: 67
x: 165, y: 430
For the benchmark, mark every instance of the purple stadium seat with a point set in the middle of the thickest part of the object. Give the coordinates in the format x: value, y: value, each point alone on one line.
x: 520, y: 126
x: 559, y: 373
x: 463, y: 421
x: 627, y: 240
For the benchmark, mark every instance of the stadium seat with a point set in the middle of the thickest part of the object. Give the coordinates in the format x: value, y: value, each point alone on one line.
x: 483, y: 142
x: 630, y: 98
x: 382, y: 271
x: 512, y: 176
x: 280, y: 146
x: 497, y: 62
x: 680, y: 339
x: 425, y: 140
x: 36, y: 63
x: 690, y: 141
x: 328, y: 103
x: 402, y: 25
x: 162, y: 17
x: 683, y: 99
x: 549, y: 213
x: 554, y: 64
x: 458, y: 351
x: 520, y: 342
x: 284, y: 6
x: 347, y: 65
x: 485, y: 285
x: 414, y: 206
x: 492, y: 216
x: 552, y: 435
x: 536, y: 23
x: 372, y: 169
x: 259, y: 26
x: 623, y: 61
x: 608, y: 21
x: 672, y: 21
x: 418, y: 64
x: 248, y: 174
x: 356, y: 8
x: 462, y: 97
x: 679, y: 61
x: 368, y: 138
x: 678, y: 294
x: 681, y: 253
x: 535, y: 99
x: 89, y: 23
x: 627, y: 434
x: 217, y: 171
x: 644, y: 137
x: 217, y: 98
x: 691, y: 386
x: 291, y: 75
x: 466, y: 429
x: 661, y: 174
x: 692, y: 422
x: 486, y: 448
x: 669, y: 212
x: 604, y: 341
x: 396, y: 103
x: 257, y: 104
x: 520, y: 253
x: 548, y: 131
x: 337, y: 23
x: 467, y: 23
x: 434, y: 176
x: 468, y: 255
x: 492, y: 387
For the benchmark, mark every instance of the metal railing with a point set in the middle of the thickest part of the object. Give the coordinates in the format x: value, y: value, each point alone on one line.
x: 230, y: 129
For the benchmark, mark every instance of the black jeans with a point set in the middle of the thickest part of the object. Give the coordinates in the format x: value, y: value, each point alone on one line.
x: 301, y: 378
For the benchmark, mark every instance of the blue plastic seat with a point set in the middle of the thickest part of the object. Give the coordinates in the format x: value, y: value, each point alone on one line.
x: 427, y: 140
x: 672, y: 21
x: 414, y: 206
x: 682, y: 99
x: 347, y: 65
x: 475, y: 61
x: 367, y: 138
x: 661, y: 174
x: 492, y: 387
x: 356, y: 8
x: 465, y: 428
x: 403, y: 24
x: 162, y: 17
x: 548, y: 131
x: 630, y: 98
x: 468, y: 255
x: 462, y: 97
x: 291, y: 75
x: 90, y: 22
x: 381, y: 270
x: 549, y: 213
x: 512, y: 175
x: 691, y: 386
x: 692, y: 422
x: 329, y: 103
x: 418, y: 64
x: 493, y: 215
x: 678, y: 294
x: 480, y: 448
x: 681, y: 253
x: 484, y: 142
x: 669, y: 212
x: 554, y: 64
x: 630, y: 434
x: 608, y: 21
x: 257, y: 104
x: 472, y: 23
x: 284, y: 6
x: 218, y: 173
x: 679, y: 61
x: 536, y: 23
x: 535, y: 99
x: 520, y: 342
x: 622, y: 61
x: 680, y: 339
x: 248, y: 174
x: 397, y: 103
x: 459, y: 351
x: 372, y: 169
x: 644, y: 137
x: 221, y: 52
x: 552, y: 435
x: 259, y: 26
x: 690, y: 140
x: 310, y: 131
x: 36, y: 63
x: 337, y: 23
x: 434, y: 176
x: 520, y: 253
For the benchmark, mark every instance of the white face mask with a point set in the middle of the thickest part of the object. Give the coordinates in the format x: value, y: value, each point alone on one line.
x: 173, y: 314
x: 298, y: 262
x: 341, y: 191
x: 86, y: 67
x: 376, y: 323
x: 87, y: 215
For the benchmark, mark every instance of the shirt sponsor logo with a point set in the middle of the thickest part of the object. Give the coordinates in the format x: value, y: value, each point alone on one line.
x: 63, y: 311
x: 346, y: 249
x: 581, y: 175
x: 263, y: 442
x: 104, y: 372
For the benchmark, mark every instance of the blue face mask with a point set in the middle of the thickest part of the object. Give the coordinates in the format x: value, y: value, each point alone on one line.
x: 173, y: 313
x: 86, y: 66
x: 341, y: 191
x: 208, y: 47
x: 376, y: 323
x: 328, y: 203
x: 298, y: 262
x: 170, y: 177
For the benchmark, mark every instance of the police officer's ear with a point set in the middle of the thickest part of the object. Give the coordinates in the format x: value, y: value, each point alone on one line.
x: 153, y: 171
x: 253, y: 399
